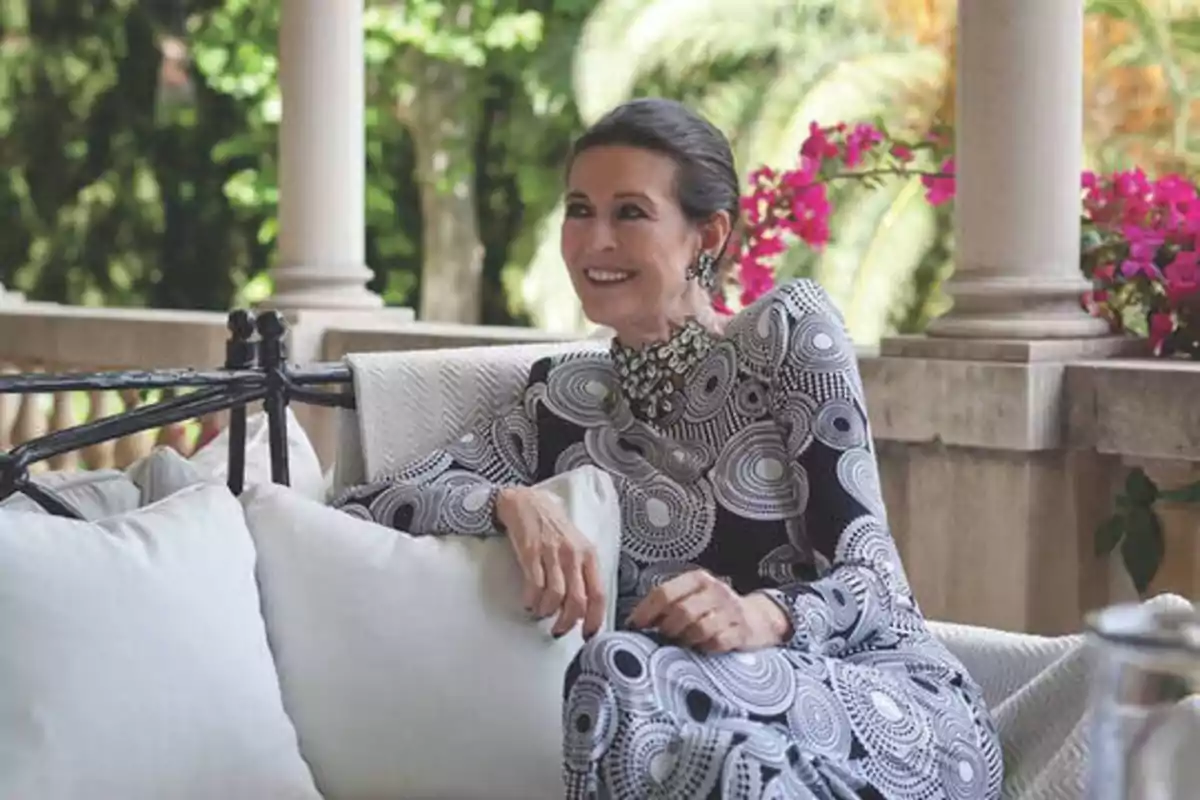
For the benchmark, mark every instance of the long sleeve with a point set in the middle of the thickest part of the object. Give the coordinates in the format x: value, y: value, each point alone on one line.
x: 862, y: 595
x: 453, y: 490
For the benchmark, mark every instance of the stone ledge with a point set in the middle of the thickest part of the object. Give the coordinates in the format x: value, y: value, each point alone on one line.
x: 1143, y: 408
x: 78, y: 337
x: 986, y: 404
x: 1010, y: 350
x: 1136, y: 407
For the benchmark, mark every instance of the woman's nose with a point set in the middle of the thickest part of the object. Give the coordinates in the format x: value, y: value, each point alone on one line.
x: 603, y: 237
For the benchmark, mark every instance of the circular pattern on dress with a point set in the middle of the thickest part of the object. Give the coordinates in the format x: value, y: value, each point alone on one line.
x: 795, y: 414
x: 465, y: 507
x: 655, y: 758
x: 762, y: 747
x: 820, y: 344
x: 866, y: 539
x: 752, y: 477
x: 611, y: 452
x: 516, y: 441
x: 387, y: 506
x: 572, y: 457
x: 471, y: 450
x: 623, y: 658
x: 964, y: 773
x: 708, y: 387
x: 590, y: 721
x: 818, y: 721
x: 896, y: 734
x: 750, y: 399
x: 663, y: 521
x: 581, y: 391
x: 839, y: 424
x: 760, y: 681
x: 685, y: 691
x: 687, y: 461
x: 858, y: 475
x: 760, y: 334
x: 781, y: 565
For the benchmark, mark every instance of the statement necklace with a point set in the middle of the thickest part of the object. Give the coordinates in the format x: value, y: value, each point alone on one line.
x: 650, y: 377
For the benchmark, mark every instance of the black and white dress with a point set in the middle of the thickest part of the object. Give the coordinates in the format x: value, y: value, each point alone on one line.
x: 748, y: 455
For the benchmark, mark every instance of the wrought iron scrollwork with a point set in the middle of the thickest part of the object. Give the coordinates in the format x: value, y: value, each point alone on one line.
x: 256, y: 369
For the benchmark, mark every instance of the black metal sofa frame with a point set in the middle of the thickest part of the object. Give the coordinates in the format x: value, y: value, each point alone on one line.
x: 256, y: 370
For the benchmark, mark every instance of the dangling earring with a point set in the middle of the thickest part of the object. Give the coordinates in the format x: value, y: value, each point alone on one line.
x: 704, y: 271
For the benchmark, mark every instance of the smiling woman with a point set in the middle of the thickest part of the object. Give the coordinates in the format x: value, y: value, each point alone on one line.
x: 770, y: 646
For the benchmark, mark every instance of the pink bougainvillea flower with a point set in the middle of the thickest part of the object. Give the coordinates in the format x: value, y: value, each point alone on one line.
x: 1162, y: 325
x: 818, y: 146
x: 901, y: 153
x: 1143, y: 249
x: 1182, y: 277
x: 859, y: 141
x: 939, y: 189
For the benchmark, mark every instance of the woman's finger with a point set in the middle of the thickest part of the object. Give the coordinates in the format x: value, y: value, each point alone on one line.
x: 688, y: 610
x: 554, y: 587
x: 597, y: 600
x: 535, y: 578
x: 574, y: 603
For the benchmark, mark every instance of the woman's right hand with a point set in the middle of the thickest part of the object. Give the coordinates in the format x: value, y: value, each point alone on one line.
x: 561, y: 572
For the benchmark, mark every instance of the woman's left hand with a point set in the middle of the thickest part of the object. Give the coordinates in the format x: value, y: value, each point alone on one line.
x: 699, y: 610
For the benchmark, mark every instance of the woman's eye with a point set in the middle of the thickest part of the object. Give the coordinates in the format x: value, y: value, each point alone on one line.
x: 577, y: 210
x: 630, y: 211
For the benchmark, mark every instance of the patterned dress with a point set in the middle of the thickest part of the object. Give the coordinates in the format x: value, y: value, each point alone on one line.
x: 753, y: 462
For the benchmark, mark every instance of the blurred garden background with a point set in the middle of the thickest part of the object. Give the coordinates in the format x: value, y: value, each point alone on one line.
x: 138, y: 137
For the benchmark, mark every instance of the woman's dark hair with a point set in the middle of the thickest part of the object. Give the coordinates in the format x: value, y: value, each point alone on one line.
x: 707, y: 181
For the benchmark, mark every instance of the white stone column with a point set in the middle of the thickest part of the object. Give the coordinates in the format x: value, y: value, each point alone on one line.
x: 1019, y: 139
x: 322, y: 158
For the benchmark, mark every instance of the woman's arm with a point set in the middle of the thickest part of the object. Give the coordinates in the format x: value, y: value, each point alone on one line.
x: 453, y: 490
x: 817, y: 399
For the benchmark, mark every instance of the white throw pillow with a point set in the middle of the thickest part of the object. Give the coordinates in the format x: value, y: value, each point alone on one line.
x: 94, y: 494
x: 164, y: 471
x: 408, y: 664
x: 304, y: 467
x: 134, y: 660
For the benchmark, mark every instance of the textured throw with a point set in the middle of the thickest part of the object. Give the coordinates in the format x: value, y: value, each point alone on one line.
x: 412, y: 402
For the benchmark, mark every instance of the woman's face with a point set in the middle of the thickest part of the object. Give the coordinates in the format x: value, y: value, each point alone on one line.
x: 625, y: 239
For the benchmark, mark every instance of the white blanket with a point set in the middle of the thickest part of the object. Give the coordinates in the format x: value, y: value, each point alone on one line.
x: 412, y: 402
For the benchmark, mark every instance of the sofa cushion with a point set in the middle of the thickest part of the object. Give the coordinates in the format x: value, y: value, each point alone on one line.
x: 408, y: 664
x: 95, y: 493
x: 165, y: 471
x: 134, y: 660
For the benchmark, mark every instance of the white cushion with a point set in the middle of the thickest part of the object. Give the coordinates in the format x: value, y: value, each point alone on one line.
x: 94, y: 494
x: 165, y: 471
x: 304, y: 466
x: 408, y: 664
x: 134, y: 660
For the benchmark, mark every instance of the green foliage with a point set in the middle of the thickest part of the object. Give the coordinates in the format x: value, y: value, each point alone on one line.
x: 1136, y: 527
x: 120, y: 188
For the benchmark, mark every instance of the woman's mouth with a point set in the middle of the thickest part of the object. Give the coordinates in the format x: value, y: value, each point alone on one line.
x: 607, y: 277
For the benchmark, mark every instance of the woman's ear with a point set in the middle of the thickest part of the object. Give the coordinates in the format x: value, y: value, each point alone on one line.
x: 714, y: 233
